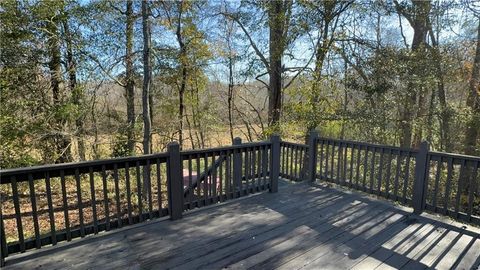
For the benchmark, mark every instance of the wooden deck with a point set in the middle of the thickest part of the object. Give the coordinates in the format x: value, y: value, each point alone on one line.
x: 301, y: 226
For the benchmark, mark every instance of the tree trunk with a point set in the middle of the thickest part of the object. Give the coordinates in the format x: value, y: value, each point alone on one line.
x: 183, y: 83
x: 279, y: 13
x: 230, y: 94
x: 77, y: 93
x: 130, y: 81
x: 418, y: 21
x: 147, y: 77
x: 277, y: 17
x: 473, y: 125
x: 60, y: 141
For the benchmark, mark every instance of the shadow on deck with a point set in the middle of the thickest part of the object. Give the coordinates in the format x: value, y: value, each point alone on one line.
x: 301, y: 226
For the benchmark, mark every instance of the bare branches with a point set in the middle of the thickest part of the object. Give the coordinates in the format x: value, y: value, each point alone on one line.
x: 252, y: 43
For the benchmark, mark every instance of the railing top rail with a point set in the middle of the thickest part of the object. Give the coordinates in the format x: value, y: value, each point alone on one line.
x: 454, y: 156
x: 364, y: 144
x: 224, y: 148
x: 294, y: 144
x: 37, y: 172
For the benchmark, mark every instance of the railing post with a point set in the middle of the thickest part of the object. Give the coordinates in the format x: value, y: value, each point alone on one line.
x: 274, y: 162
x: 175, y: 181
x: 237, y: 169
x: 312, y: 156
x: 421, y: 179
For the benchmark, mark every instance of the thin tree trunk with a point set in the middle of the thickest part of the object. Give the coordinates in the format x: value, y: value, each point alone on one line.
x: 230, y: 94
x: 183, y: 83
x: 130, y: 81
x: 147, y: 77
x: 61, y: 142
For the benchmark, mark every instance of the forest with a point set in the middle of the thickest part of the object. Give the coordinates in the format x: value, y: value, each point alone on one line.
x: 92, y: 79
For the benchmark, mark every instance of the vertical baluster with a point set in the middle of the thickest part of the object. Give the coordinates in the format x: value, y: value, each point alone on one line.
x: 321, y: 157
x: 326, y: 159
x: 53, y: 233
x: 292, y: 163
x: 253, y: 161
x: 332, y: 171
x: 302, y: 163
x: 228, y: 176
x: 18, y: 214
x: 291, y: 168
x: 472, y: 187
x: 206, y: 183
x: 214, y: 178
x: 199, y: 191
x: 448, y: 185
x: 397, y: 174
x: 380, y: 172
x: 80, y: 203
x: 159, y: 188
x: 365, y: 170
x: 389, y: 176
x: 357, y: 169
x: 253, y: 171
x: 407, y: 178
x: 372, y: 169
x: 345, y: 164
x: 338, y: 178
x: 105, y: 199
x: 247, y: 169
x: 287, y: 161
x: 221, y: 179
x: 459, y: 187
x: 65, y: 205
x: 147, y: 175
x: 265, y: 166
x: 190, y: 183
x: 129, y: 192
x: 139, y: 191
x: 282, y: 168
x: 117, y: 195
x: 3, y: 241
x: 437, y: 182
x: 295, y: 162
x: 259, y: 167
x: 352, y: 155
x: 94, y: 201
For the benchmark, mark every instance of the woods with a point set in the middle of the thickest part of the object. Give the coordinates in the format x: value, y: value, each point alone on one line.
x: 84, y: 80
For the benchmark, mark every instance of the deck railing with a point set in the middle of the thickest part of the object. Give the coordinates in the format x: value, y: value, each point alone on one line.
x: 43, y: 205
x: 292, y: 165
x: 443, y: 183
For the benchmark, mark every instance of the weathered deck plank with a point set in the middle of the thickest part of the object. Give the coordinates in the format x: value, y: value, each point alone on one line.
x: 299, y: 227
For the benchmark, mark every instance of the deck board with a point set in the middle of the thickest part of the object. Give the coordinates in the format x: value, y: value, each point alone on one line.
x: 300, y: 227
